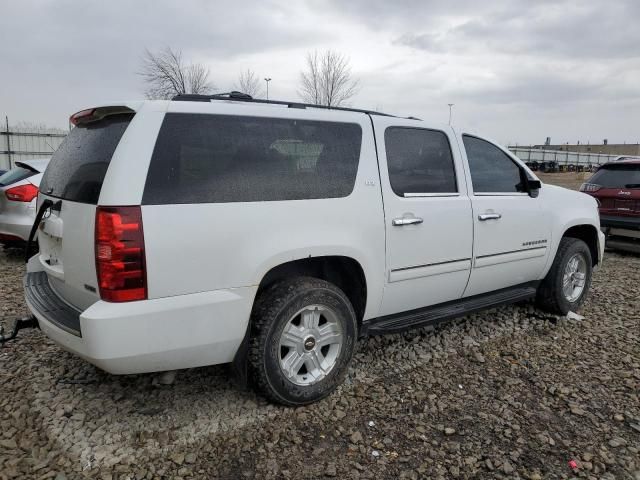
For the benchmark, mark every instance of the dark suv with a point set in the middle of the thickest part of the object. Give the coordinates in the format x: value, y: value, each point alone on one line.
x: 616, y: 187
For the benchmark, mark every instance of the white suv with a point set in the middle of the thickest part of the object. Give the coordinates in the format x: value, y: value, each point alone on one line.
x: 215, y: 229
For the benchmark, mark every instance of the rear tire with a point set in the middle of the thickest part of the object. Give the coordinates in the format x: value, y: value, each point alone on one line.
x: 303, y: 336
x: 566, y: 285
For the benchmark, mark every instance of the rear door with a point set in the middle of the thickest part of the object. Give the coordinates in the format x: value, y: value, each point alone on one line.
x: 511, y: 230
x: 73, y: 181
x: 427, y: 215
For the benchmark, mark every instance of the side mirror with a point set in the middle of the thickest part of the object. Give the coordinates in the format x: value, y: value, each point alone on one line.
x: 533, y: 187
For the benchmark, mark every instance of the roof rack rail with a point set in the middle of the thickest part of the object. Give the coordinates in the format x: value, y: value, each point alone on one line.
x: 243, y: 97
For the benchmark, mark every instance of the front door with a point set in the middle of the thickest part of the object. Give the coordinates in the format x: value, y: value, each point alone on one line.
x: 427, y: 215
x: 511, y: 233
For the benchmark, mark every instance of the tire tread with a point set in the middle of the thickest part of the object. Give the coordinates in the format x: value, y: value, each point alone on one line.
x: 548, y: 296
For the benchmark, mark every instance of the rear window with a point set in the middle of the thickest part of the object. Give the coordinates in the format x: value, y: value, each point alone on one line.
x: 617, y: 176
x: 77, y: 169
x: 200, y: 158
x: 15, y: 175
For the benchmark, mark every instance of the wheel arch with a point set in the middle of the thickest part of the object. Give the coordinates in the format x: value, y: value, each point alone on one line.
x: 343, y: 271
x: 589, y: 235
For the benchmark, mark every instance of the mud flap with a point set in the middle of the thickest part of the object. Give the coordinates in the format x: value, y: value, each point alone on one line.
x: 239, y: 367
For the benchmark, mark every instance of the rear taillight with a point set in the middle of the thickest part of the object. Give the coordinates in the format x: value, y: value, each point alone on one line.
x: 120, y: 257
x: 589, y: 187
x: 22, y: 193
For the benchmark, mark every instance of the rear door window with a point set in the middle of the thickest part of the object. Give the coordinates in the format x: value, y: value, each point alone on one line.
x: 15, y: 175
x: 419, y: 161
x: 201, y: 158
x: 617, y: 176
x: 77, y: 169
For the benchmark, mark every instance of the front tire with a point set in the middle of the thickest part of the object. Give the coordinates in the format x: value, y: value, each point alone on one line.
x: 303, y: 337
x: 566, y: 285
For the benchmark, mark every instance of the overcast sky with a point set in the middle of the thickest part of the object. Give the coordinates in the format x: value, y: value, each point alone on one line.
x: 516, y: 70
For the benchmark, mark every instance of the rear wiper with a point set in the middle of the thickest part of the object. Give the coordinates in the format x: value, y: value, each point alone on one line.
x: 632, y: 185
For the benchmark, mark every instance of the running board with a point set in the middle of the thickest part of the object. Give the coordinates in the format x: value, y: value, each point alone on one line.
x: 430, y: 315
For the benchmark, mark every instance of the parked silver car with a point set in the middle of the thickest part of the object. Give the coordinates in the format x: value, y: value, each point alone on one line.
x: 18, y: 194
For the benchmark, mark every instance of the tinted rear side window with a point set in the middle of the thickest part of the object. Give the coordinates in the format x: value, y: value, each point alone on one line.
x: 200, y: 158
x: 419, y: 161
x: 617, y: 176
x: 77, y: 169
x: 15, y: 175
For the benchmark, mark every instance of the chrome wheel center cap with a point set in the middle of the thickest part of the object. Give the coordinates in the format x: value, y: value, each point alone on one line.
x: 309, y: 343
x: 574, y: 278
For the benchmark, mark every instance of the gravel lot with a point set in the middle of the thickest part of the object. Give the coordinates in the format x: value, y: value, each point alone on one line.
x: 571, y: 180
x: 508, y: 393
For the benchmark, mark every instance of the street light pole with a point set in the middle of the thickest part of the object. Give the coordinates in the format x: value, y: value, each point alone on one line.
x: 450, y: 105
x: 267, y: 80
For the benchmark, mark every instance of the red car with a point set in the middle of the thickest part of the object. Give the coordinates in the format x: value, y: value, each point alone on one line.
x: 616, y: 187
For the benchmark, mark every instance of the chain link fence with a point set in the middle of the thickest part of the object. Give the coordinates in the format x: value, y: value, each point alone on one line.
x: 24, y: 142
x: 561, y: 157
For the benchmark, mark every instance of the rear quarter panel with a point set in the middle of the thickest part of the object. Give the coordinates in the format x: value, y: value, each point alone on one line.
x: 124, y: 182
x: 202, y: 247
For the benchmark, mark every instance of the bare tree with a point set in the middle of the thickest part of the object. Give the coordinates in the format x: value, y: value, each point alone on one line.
x: 327, y: 79
x: 166, y: 75
x: 249, y: 83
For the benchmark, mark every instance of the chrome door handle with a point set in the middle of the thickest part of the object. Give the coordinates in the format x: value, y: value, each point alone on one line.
x: 489, y: 216
x: 400, y: 222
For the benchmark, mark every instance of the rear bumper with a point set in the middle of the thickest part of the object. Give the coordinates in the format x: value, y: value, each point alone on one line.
x: 631, y: 223
x: 41, y: 298
x: 156, y: 335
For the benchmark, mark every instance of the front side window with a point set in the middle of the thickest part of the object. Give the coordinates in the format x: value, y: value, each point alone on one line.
x: 201, y: 158
x: 492, y: 170
x: 419, y: 161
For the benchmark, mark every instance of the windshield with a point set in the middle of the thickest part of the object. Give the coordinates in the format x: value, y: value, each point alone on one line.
x: 77, y: 169
x: 617, y: 176
x: 15, y: 175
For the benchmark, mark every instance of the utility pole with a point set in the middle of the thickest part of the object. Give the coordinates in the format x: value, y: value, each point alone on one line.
x: 267, y: 80
x: 6, y: 119
x: 450, y: 105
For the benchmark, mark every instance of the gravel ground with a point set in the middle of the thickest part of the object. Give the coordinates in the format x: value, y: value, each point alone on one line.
x: 571, y: 180
x: 507, y: 393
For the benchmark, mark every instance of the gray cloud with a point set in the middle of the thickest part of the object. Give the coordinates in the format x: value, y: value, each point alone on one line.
x: 577, y: 34
x: 79, y: 53
x: 517, y: 69
x: 532, y: 88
